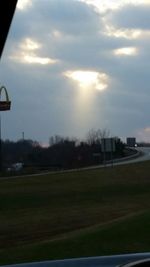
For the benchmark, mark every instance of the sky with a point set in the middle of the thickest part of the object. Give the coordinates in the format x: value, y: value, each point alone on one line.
x: 74, y: 65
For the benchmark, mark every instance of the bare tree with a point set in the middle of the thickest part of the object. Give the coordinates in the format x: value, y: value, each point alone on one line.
x: 95, y: 136
x: 53, y: 140
x: 105, y: 133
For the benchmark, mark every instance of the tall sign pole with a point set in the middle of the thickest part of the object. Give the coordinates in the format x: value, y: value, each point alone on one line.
x: 0, y: 146
x: 108, y: 145
x: 4, y: 106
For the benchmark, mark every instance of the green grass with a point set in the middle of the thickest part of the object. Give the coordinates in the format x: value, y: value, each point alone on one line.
x: 72, y: 214
x: 125, y: 236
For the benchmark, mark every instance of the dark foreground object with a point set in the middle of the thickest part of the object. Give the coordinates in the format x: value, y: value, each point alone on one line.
x: 7, y: 9
x: 126, y: 260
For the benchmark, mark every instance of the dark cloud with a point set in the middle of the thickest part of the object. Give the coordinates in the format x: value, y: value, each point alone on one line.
x: 68, y: 16
x: 132, y: 16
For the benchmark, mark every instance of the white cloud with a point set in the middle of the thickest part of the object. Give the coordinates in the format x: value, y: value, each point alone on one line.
x: 126, y: 51
x: 31, y: 58
x: 29, y: 44
x: 38, y: 60
x: 25, y: 53
x: 57, y: 34
x: 103, y: 5
x: 144, y: 134
x: 23, y: 4
x: 121, y: 32
x: 109, y: 8
x: 147, y: 130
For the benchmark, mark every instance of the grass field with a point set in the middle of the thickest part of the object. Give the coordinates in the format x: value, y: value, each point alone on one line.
x: 84, y: 213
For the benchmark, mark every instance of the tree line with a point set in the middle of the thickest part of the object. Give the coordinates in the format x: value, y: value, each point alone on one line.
x: 61, y: 153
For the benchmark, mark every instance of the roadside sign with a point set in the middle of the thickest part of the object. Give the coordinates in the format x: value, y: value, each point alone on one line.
x: 108, y: 145
x: 4, y: 104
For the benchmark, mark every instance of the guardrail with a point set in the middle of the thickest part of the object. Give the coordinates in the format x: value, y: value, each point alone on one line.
x: 134, y: 156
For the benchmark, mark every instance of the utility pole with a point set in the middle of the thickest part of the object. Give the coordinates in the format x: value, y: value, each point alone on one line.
x: 4, y: 106
x: 22, y: 136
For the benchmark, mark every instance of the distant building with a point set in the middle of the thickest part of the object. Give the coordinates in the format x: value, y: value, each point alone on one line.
x: 131, y: 141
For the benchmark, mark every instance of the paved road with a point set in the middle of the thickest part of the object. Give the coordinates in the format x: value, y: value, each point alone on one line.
x: 144, y: 156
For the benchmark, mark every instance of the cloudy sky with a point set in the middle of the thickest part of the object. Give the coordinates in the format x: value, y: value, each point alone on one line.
x: 73, y: 65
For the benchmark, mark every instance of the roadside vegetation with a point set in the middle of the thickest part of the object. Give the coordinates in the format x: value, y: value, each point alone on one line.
x: 60, y: 153
x: 84, y: 213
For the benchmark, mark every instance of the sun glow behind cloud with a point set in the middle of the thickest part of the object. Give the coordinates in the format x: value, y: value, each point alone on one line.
x: 126, y: 51
x: 89, y: 79
x: 31, y: 58
x: 57, y: 34
x: 143, y: 134
x: 121, y: 33
x: 103, y: 6
x: 29, y: 44
x: 38, y: 60
x: 86, y: 83
x: 23, y: 4
x: 25, y: 53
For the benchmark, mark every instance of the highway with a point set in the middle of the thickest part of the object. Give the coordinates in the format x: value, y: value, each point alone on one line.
x: 144, y: 155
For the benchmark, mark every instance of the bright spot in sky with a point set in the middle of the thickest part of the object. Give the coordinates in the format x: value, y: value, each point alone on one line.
x: 89, y: 79
x: 147, y: 130
x: 29, y: 44
x: 126, y: 51
x: 57, y: 34
x: 144, y: 134
x: 25, y: 53
x: 124, y: 33
x: 104, y: 5
x: 22, y: 4
x: 38, y: 60
x: 29, y: 58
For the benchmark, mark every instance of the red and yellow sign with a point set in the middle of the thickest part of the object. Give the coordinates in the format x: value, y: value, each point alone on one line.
x: 4, y: 104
